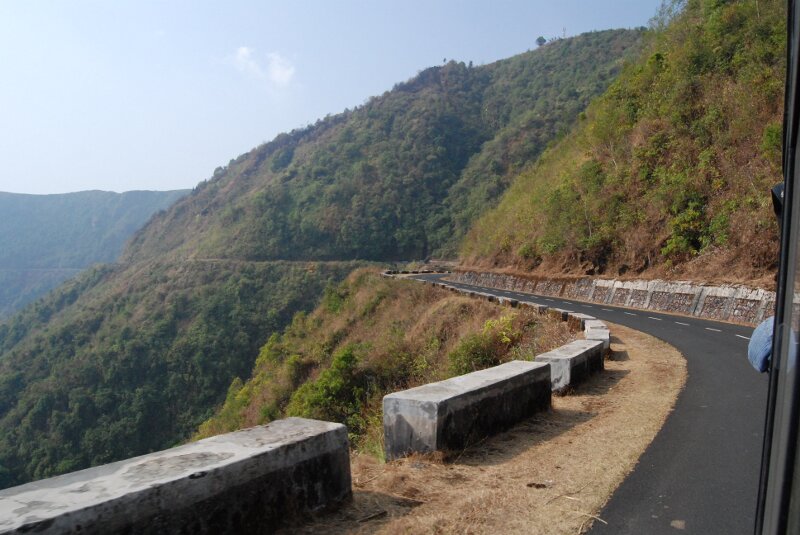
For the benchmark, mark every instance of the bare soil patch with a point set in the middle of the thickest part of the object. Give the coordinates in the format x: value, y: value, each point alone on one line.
x: 551, y: 474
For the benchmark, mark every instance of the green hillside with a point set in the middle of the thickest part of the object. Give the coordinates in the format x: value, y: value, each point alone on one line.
x: 133, y: 357
x: 371, y: 336
x: 401, y: 177
x: 45, y: 239
x: 668, y: 173
x: 126, y: 360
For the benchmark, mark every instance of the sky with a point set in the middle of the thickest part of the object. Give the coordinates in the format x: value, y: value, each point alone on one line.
x: 124, y: 95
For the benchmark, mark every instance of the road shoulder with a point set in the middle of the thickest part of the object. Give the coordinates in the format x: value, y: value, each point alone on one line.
x: 551, y: 474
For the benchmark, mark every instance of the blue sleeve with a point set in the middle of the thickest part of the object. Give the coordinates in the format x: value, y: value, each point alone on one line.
x: 759, y: 349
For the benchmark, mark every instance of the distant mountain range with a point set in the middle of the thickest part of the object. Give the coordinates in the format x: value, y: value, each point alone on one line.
x: 45, y: 239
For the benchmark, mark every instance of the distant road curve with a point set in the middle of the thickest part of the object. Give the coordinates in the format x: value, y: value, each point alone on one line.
x: 700, y: 473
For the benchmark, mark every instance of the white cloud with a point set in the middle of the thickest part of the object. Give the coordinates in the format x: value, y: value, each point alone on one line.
x: 280, y: 69
x: 278, y: 72
x: 246, y: 63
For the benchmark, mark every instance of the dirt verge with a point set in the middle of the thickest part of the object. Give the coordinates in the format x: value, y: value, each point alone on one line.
x: 551, y: 474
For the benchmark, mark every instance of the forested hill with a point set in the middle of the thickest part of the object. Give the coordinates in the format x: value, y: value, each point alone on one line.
x: 73, y: 230
x: 669, y: 173
x: 402, y: 176
x: 130, y: 358
x: 46, y: 238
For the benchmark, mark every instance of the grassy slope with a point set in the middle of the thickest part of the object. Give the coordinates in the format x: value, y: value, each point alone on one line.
x: 371, y: 336
x: 668, y: 173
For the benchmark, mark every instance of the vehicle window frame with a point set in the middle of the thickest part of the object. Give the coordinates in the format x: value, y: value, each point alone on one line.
x: 779, y: 489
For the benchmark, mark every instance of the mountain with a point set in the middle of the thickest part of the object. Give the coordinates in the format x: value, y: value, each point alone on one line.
x: 401, y: 177
x: 668, y: 173
x: 45, y: 239
x: 132, y: 357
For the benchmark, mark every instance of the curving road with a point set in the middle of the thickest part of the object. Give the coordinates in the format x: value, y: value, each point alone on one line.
x: 700, y: 474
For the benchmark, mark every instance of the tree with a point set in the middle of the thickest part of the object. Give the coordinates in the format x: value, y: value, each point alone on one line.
x: 540, y: 41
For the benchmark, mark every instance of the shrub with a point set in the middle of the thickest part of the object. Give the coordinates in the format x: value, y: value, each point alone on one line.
x: 475, y: 352
x: 479, y: 351
x: 527, y: 251
x: 336, y: 395
x: 333, y: 297
x: 689, y: 233
x: 772, y: 140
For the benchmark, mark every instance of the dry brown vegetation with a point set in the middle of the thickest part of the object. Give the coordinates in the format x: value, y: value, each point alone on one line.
x: 371, y: 336
x: 668, y: 175
x: 548, y: 475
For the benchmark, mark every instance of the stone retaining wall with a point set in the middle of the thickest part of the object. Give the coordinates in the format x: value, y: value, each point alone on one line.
x: 727, y: 303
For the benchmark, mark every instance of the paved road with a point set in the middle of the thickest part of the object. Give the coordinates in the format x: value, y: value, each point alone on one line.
x: 700, y: 474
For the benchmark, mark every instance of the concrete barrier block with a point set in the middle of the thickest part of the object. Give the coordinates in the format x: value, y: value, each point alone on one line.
x: 595, y: 354
x: 600, y: 336
x: 573, y: 362
x: 558, y: 313
x: 242, y: 482
x: 539, y: 309
x: 577, y: 320
x: 528, y: 304
x: 594, y: 324
x: 451, y: 414
x: 598, y: 331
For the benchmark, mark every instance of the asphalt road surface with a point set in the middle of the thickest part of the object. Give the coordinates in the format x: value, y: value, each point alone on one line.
x: 700, y: 474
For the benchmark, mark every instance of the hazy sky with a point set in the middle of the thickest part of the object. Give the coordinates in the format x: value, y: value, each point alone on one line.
x: 122, y: 95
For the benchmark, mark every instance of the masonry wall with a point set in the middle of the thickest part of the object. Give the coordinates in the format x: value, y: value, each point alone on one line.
x: 737, y: 304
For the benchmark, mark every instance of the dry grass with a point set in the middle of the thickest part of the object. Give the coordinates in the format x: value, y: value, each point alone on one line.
x: 403, y: 332
x: 550, y: 474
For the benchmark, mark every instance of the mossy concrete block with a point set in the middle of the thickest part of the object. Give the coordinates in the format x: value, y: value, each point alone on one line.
x: 572, y: 363
x: 451, y: 414
x: 242, y: 482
